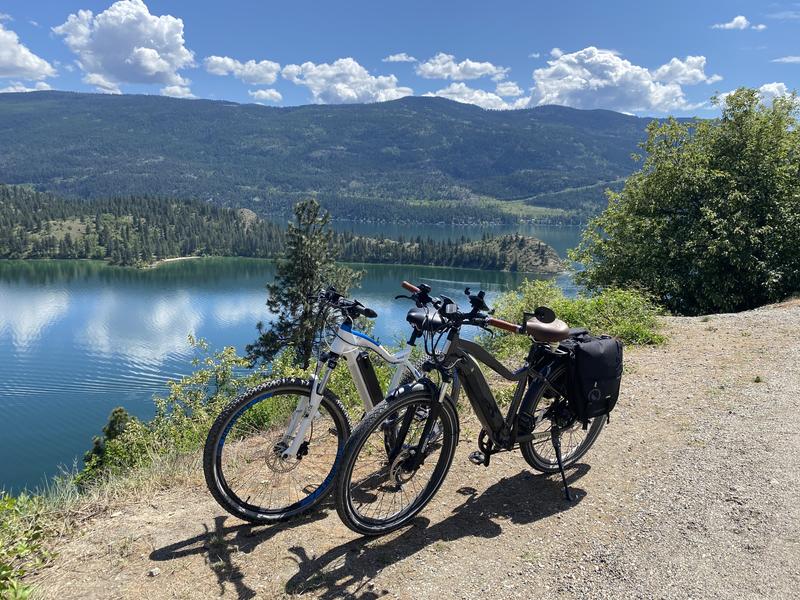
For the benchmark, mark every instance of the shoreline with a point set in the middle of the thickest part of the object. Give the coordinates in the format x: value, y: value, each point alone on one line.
x: 164, y: 261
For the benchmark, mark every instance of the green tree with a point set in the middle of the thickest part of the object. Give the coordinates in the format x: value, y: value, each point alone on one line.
x: 711, y: 222
x: 308, y: 266
x: 117, y: 422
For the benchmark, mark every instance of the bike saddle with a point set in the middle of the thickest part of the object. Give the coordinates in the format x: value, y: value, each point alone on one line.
x: 547, y: 332
x: 425, y: 319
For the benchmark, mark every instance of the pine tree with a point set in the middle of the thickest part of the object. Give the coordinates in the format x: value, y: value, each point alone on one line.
x: 309, y: 266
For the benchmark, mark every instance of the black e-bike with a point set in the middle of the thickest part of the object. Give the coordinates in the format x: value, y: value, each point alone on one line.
x: 385, y: 480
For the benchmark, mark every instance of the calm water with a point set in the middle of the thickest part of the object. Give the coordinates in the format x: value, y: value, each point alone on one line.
x: 78, y: 338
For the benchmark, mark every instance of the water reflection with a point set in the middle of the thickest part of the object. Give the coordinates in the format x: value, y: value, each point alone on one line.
x: 143, y: 329
x: 248, y: 307
x: 27, y: 318
x: 78, y: 338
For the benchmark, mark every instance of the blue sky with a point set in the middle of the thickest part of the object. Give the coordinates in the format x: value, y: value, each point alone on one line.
x: 636, y: 57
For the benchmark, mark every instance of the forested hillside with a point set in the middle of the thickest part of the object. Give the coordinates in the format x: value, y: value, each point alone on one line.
x: 142, y: 230
x: 352, y: 157
x: 494, y: 253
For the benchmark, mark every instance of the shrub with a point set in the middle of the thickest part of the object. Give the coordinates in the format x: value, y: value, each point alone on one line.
x: 711, y: 223
x: 627, y: 314
x: 21, y: 550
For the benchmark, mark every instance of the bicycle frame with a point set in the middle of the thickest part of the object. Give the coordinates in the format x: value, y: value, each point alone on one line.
x: 351, y: 345
x: 464, y: 356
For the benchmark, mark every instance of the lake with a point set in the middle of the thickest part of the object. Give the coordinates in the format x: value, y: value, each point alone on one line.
x: 78, y: 338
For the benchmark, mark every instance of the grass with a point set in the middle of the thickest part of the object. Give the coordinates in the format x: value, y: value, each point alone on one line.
x: 29, y: 524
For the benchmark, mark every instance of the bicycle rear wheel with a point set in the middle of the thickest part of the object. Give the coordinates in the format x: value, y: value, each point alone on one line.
x: 381, y: 488
x: 575, y: 441
x: 242, y: 460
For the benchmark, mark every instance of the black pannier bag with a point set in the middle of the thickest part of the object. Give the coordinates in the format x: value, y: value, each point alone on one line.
x: 594, y: 373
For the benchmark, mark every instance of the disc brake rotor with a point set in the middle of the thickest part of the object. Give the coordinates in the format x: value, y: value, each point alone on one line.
x: 397, y: 472
x: 276, y: 462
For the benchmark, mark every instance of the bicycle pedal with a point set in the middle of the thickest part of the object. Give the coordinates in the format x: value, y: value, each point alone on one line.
x: 477, y: 458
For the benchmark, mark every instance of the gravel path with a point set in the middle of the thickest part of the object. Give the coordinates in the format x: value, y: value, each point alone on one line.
x: 690, y: 492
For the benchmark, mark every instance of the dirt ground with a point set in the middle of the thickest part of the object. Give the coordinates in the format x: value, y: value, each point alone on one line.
x: 691, y: 492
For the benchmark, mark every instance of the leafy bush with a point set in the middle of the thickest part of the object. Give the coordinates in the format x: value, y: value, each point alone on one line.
x: 21, y: 550
x: 711, y: 223
x: 627, y: 314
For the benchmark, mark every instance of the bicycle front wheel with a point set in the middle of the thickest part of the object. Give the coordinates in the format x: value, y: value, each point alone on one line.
x: 242, y: 460
x: 383, y: 484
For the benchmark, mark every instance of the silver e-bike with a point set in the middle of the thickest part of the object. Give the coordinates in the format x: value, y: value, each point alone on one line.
x: 273, y: 453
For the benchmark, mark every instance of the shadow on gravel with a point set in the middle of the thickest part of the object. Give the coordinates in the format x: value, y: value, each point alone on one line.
x: 219, y: 543
x: 347, y: 570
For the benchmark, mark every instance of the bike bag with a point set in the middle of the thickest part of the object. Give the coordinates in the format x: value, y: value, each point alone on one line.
x: 594, y: 373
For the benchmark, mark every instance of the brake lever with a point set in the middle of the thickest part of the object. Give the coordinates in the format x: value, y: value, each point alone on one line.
x: 402, y: 296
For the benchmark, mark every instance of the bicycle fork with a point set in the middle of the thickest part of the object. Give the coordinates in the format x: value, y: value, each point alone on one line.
x: 305, y: 412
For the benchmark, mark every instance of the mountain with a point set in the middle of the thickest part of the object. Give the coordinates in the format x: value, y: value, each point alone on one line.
x: 409, y: 150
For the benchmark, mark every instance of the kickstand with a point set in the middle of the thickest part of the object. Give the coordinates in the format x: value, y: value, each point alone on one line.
x: 557, y: 446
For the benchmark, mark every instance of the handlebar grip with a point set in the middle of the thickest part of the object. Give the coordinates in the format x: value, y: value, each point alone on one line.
x: 410, y: 287
x: 500, y: 324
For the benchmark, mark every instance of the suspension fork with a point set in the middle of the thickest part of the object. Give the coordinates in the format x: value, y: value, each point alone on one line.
x: 308, y: 408
x: 430, y: 421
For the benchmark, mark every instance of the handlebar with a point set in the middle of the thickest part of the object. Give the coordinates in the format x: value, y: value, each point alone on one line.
x: 477, y: 317
x: 501, y: 324
x: 349, y: 308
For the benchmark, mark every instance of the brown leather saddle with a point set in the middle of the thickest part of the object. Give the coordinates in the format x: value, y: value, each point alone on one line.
x: 547, y: 332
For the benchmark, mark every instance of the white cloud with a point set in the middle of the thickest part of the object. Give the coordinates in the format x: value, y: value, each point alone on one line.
x: 256, y: 73
x: 768, y: 92
x: 17, y: 86
x: 401, y: 57
x: 508, y: 89
x: 534, y: 55
x: 786, y: 15
x: 739, y: 22
x: 127, y: 44
x: 177, y: 91
x: 17, y: 61
x: 6, y: 17
x: 344, y: 81
x: 444, y: 66
x: 101, y: 84
x: 269, y: 95
x: 460, y: 92
x: 597, y: 78
x: 556, y: 53
x: 685, y: 72
x: 787, y: 59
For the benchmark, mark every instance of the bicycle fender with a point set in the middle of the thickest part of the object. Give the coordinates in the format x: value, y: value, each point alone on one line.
x: 421, y: 385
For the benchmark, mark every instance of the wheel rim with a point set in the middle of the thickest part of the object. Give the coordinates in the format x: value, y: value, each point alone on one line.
x: 250, y: 469
x: 384, y: 488
x: 572, y: 437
